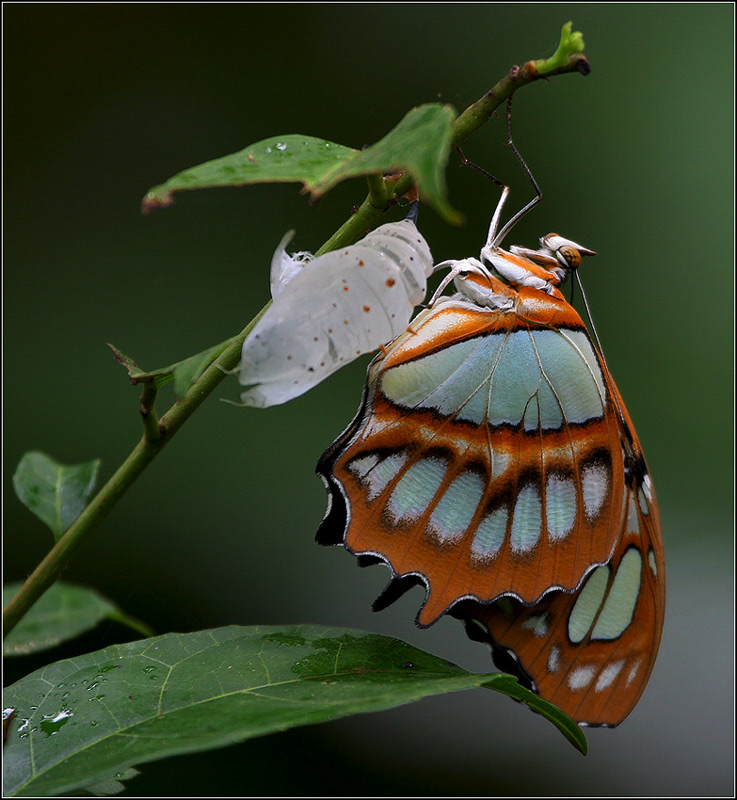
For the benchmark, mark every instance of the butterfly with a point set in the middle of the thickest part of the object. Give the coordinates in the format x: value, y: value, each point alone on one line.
x: 493, y: 462
x: 330, y: 309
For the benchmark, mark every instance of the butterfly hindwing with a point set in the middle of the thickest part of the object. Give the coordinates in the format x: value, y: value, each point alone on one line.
x: 590, y: 652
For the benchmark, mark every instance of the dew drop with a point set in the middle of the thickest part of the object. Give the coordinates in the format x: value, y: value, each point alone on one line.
x: 51, y: 724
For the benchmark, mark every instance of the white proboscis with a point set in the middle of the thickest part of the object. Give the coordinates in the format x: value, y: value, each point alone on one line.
x: 329, y: 310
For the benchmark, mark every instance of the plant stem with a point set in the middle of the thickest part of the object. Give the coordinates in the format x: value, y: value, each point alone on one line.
x: 568, y: 58
x: 140, y: 457
x: 151, y: 430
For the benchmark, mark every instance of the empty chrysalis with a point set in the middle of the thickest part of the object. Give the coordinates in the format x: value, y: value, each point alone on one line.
x: 329, y: 310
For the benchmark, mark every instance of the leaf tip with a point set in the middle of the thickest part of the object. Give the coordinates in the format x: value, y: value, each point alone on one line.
x: 157, y: 197
x: 126, y: 362
x: 571, y: 40
x: 569, y: 55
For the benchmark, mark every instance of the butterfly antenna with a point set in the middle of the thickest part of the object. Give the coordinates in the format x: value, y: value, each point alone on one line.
x: 596, y: 335
x: 588, y: 309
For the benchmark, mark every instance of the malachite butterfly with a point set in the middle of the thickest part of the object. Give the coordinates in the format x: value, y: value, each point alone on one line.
x: 330, y: 309
x: 492, y: 461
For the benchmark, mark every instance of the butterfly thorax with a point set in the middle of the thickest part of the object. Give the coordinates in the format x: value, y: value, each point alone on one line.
x: 524, y: 281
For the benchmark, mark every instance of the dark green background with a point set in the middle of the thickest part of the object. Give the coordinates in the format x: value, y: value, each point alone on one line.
x: 635, y: 161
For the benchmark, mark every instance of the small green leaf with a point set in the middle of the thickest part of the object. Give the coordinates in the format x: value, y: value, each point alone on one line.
x: 187, y: 372
x: 292, y: 158
x: 56, y: 493
x: 571, y: 44
x: 61, y: 613
x: 80, y: 720
x: 419, y: 145
x: 184, y: 373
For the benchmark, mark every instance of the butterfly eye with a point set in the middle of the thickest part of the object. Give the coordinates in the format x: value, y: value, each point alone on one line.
x: 568, y: 257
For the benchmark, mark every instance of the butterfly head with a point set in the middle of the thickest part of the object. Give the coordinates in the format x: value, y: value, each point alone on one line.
x: 566, y: 252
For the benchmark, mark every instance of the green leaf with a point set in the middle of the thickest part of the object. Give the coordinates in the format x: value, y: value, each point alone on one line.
x: 419, y: 145
x: 62, y: 612
x: 293, y: 158
x: 187, y: 372
x: 507, y: 684
x: 184, y: 373
x: 571, y: 44
x: 79, y: 721
x: 56, y: 493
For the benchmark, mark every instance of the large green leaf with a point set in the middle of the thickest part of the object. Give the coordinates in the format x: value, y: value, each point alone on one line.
x: 292, y: 158
x: 62, y: 612
x: 56, y: 493
x: 79, y: 721
x: 419, y: 144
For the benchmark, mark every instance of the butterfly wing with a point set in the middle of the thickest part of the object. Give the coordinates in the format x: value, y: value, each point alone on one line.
x: 590, y: 652
x: 329, y: 310
x: 485, y: 458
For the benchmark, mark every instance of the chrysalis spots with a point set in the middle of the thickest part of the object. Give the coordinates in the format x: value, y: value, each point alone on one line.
x: 330, y: 309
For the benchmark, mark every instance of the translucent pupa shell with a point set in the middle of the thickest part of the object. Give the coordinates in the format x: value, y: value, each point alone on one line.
x: 329, y: 310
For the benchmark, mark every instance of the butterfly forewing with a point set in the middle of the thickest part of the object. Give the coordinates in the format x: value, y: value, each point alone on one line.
x: 483, y: 459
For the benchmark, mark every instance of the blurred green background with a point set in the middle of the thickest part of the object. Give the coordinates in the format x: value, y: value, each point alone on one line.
x: 635, y: 161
